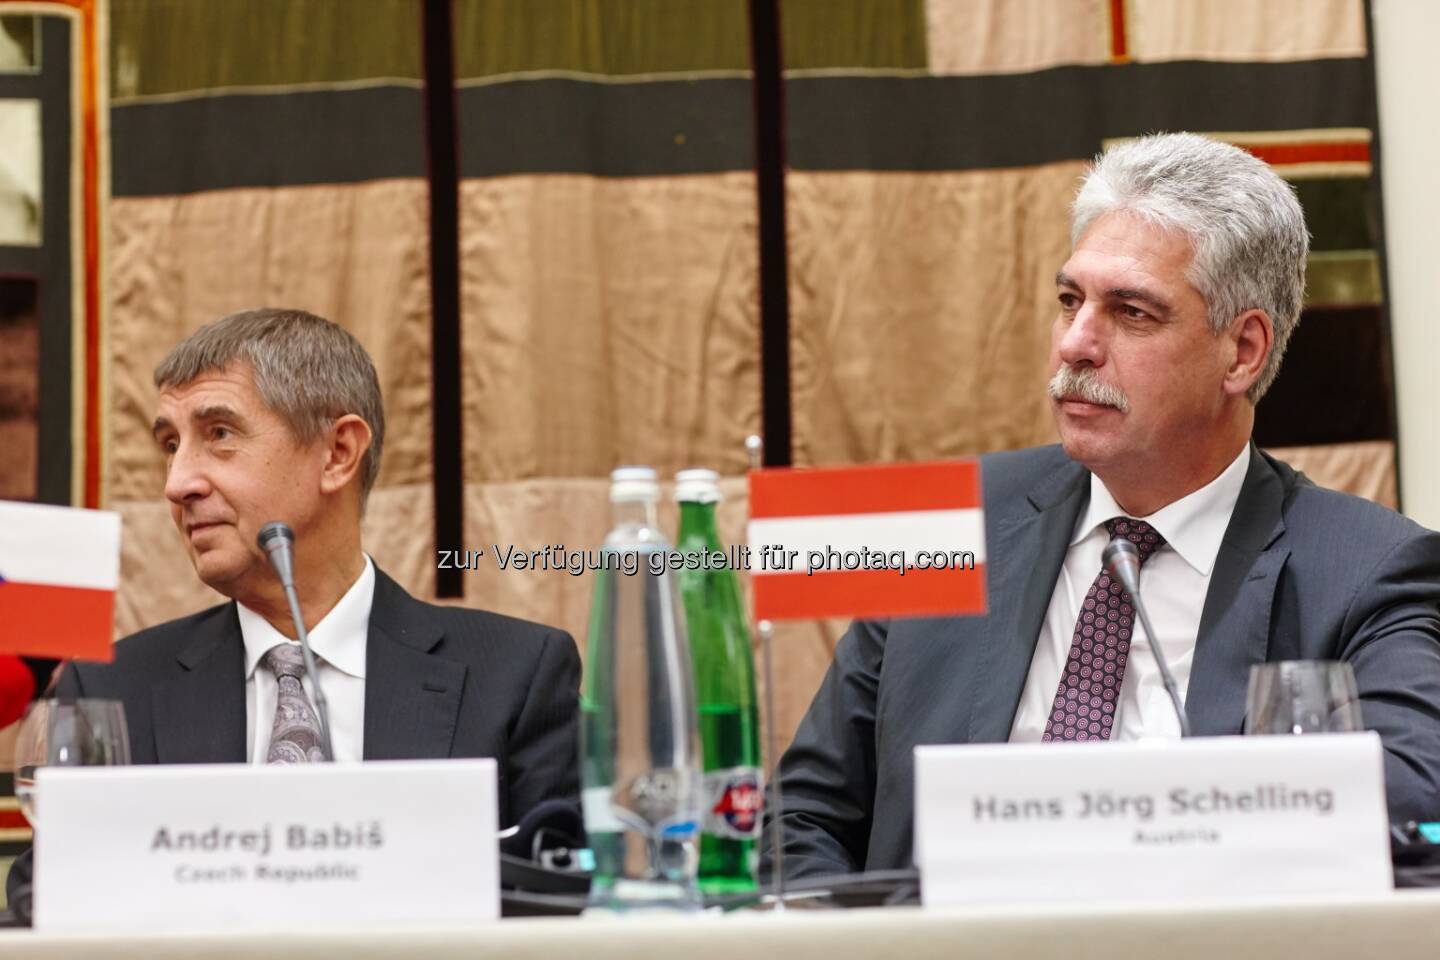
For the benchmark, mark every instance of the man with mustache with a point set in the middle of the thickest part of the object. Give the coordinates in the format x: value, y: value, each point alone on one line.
x: 276, y: 415
x: 1184, y: 284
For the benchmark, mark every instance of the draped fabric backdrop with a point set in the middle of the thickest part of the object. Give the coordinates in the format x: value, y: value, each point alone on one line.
x: 272, y: 152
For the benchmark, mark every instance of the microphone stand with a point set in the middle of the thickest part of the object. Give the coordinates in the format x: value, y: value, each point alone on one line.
x: 1122, y: 561
x: 755, y: 448
x: 278, y: 542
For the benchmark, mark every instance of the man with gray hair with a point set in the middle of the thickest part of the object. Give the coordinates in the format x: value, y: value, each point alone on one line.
x: 1183, y: 286
x: 276, y: 415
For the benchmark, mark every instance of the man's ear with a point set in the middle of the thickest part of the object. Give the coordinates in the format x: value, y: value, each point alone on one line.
x: 1253, y: 335
x: 346, y: 443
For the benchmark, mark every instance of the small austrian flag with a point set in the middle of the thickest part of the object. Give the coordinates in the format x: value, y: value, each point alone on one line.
x: 901, y: 540
x: 58, y: 571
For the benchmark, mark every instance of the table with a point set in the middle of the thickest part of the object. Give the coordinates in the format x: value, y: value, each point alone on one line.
x: 1402, y: 925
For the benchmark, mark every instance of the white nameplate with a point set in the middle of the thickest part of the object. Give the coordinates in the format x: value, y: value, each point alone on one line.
x: 1151, y: 820
x: 216, y: 846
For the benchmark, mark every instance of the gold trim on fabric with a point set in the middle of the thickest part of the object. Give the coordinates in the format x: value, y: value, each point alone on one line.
x: 1324, y: 171
x: 181, y: 96
x: 1336, y: 278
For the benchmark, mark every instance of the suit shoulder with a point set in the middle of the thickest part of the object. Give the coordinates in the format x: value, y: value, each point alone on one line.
x: 1357, y: 525
x: 486, y: 639
x: 469, y: 634
x: 475, y: 624
x: 1007, y: 466
x: 1009, y: 476
x: 161, y: 643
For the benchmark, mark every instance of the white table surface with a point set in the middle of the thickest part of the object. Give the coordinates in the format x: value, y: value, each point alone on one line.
x: 1401, y: 925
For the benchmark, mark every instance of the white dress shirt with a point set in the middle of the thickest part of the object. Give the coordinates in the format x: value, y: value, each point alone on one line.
x: 1174, y: 581
x: 338, y: 642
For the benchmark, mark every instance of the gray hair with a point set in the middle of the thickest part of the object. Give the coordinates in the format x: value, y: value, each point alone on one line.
x: 308, y: 370
x: 1242, y: 220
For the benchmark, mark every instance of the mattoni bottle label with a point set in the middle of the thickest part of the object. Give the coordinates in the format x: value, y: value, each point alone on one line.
x: 734, y: 803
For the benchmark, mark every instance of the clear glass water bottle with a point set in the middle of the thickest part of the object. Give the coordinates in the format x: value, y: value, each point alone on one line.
x: 640, y: 752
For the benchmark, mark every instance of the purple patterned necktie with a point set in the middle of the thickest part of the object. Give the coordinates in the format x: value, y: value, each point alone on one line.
x: 295, y: 736
x: 1084, y: 707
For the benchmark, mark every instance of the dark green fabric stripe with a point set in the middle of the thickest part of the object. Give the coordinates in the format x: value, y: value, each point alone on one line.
x: 959, y: 123
x: 1335, y: 385
x: 177, y: 46
x: 890, y: 123
x: 266, y: 140
x: 1339, y: 212
x: 612, y: 130
x: 700, y: 126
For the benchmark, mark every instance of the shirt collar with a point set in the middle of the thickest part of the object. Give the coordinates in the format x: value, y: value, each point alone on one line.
x: 1194, y: 525
x: 339, y: 638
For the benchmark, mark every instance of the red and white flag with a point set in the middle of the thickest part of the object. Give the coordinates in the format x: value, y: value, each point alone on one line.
x: 58, y: 571
x: 899, y: 540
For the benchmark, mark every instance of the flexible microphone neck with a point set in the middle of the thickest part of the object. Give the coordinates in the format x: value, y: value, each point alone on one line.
x: 1122, y: 561
x: 278, y: 542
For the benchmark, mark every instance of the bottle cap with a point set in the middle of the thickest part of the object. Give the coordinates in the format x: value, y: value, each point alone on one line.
x: 628, y: 484
x: 697, y: 486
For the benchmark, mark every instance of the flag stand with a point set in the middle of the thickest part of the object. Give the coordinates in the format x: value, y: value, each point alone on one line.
x: 755, y: 449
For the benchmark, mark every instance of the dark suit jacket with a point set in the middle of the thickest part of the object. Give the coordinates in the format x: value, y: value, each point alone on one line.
x: 1303, y: 573
x: 439, y: 682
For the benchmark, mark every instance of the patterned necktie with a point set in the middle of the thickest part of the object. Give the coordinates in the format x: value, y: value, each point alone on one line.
x: 295, y: 736
x: 1084, y: 707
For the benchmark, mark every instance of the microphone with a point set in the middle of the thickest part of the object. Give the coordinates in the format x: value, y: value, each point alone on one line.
x: 1122, y: 561
x: 278, y: 542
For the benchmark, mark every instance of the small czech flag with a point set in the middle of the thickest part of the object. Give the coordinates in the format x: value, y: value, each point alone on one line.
x: 58, y: 571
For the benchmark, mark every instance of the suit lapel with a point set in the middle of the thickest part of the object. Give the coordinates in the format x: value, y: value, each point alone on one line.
x: 1234, y: 632
x: 200, y: 712
x: 1029, y: 550
x: 412, y: 698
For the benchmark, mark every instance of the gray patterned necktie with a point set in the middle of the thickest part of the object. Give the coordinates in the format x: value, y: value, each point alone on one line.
x: 295, y: 736
x: 1084, y: 707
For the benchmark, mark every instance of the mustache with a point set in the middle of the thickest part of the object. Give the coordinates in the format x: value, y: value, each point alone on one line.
x: 1083, y: 383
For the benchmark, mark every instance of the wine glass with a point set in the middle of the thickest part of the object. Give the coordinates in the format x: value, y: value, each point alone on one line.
x: 1302, y: 696
x: 67, y: 733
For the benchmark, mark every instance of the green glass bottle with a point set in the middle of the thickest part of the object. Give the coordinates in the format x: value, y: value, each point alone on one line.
x: 724, y: 690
